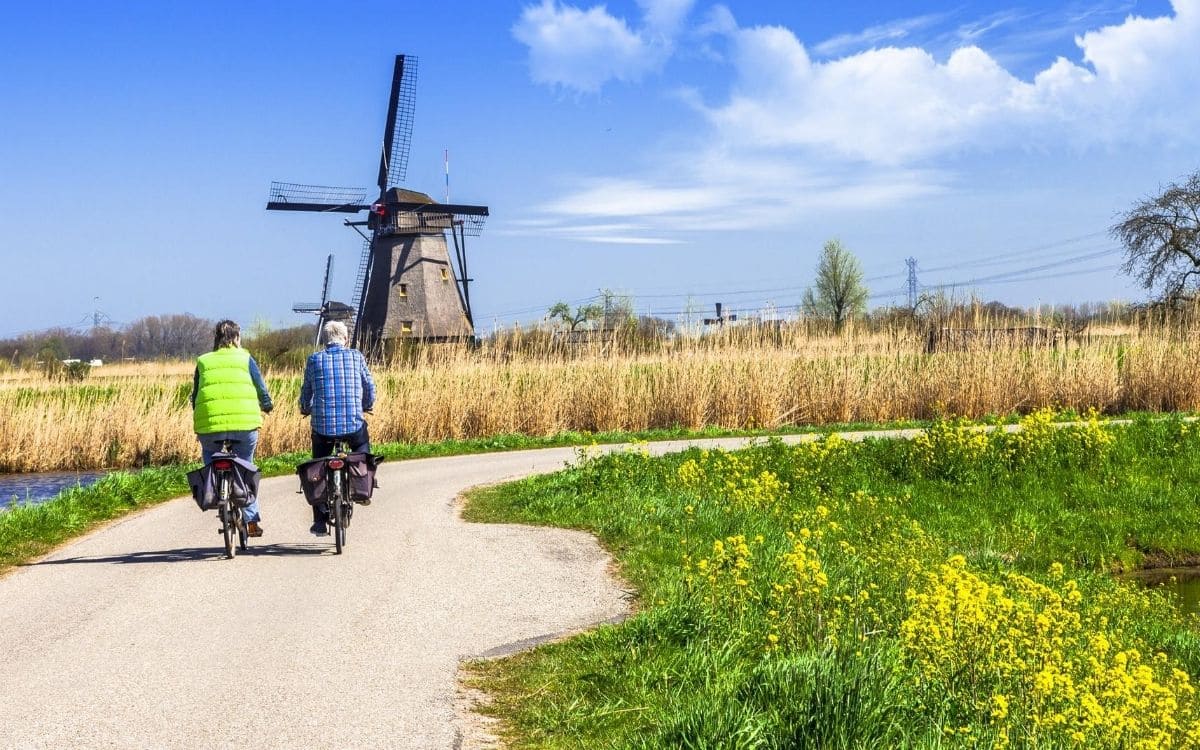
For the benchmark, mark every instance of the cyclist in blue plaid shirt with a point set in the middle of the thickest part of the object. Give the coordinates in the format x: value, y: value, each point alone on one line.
x: 337, y: 389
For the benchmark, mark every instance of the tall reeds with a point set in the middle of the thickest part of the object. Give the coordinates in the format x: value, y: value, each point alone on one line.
x: 739, y: 378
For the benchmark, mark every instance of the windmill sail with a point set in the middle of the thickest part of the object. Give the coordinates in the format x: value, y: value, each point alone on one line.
x: 397, y: 134
x: 328, y: 280
x: 293, y: 196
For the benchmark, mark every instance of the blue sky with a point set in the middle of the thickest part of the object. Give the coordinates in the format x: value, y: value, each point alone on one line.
x: 677, y: 151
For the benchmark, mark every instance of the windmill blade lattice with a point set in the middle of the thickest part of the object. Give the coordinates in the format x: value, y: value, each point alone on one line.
x: 397, y: 135
x: 293, y: 196
x: 328, y: 280
x: 360, y: 285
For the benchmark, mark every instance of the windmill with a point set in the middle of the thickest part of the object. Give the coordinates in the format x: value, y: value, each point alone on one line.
x: 721, y: 319
x: 326, y: 309
x: 407, y: 284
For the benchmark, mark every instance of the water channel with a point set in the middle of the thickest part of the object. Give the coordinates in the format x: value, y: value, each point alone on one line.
x: 1184, y: 583
x: 31, y: 489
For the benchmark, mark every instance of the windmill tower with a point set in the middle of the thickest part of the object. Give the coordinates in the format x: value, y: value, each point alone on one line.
x: 408, y: 284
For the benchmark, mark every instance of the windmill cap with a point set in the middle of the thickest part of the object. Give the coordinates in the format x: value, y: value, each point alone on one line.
x: 400, y: 195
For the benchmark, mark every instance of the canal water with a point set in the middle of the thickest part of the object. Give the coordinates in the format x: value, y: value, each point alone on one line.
x: 31, y: 489
x: 1184, y: 583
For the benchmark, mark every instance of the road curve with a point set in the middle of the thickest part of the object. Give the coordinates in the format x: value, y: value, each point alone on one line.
x: 141, y: 635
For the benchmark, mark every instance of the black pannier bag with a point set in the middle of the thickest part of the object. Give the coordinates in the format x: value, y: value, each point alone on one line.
x: 360, y: 467
x: 312, y: 480
x: 242, y: 489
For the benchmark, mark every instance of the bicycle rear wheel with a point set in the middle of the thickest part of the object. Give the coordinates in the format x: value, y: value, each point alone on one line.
x: 338, y: 511
x: 225, y: 509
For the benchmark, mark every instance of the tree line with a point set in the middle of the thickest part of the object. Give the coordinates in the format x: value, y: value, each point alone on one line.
x: 180, y: 336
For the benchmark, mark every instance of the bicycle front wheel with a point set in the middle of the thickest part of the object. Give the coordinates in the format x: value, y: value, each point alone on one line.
x: 242, y: 531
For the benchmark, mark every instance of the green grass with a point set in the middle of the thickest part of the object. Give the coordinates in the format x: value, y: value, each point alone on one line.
x: 27, y: 532
x: 695, y: 667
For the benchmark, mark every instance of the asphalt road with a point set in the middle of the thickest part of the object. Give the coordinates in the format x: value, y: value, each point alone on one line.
x: 141, y: 635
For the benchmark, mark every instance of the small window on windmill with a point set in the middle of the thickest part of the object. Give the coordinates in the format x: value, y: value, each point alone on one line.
x: 404, y: 290
x: 445, y: 275
x: 406, y: 326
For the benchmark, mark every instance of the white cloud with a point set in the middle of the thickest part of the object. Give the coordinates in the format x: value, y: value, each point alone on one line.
x: 718, y: 20
x: 796, y: 136
x: 900, y: 106
x: 584, y: 49
x: 665, y: 16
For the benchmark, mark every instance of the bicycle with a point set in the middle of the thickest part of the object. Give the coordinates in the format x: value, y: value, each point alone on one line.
x: 233, y: 520
x: 338, y: 505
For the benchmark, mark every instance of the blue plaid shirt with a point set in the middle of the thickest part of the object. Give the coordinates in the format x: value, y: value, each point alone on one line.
x: 337, y: 389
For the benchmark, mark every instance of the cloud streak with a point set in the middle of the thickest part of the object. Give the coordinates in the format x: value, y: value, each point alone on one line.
x: 875, y: 35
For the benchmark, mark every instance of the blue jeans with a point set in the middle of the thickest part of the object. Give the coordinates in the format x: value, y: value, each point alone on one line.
x: 244, y: 449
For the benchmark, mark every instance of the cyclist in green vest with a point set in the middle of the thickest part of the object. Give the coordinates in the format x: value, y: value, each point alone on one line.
x: 229, y: 398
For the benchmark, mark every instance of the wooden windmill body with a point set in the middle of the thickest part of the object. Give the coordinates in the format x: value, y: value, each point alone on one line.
x: 413, y: 289
x: 409, y: 283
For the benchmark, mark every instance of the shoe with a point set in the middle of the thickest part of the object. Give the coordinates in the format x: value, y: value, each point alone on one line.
x: 319, y: 528
x: 254, y: 529
x: 363, y: 500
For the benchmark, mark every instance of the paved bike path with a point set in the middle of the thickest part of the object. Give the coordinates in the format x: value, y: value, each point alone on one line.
x: 141, y: 635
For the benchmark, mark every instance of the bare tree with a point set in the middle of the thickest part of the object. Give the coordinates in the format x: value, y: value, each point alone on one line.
x: 839, y: 293
x: 1161, y: 235
x: 170, y: 336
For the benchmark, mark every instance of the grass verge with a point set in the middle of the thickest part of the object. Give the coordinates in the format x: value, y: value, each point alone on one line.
x: 954, y: 590
x: 27, y: 532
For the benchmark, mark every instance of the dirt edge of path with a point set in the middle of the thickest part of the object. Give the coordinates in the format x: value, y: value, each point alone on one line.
x: 476, y: 731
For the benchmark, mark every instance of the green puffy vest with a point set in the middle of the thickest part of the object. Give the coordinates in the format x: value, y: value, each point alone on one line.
x: 225, y: 399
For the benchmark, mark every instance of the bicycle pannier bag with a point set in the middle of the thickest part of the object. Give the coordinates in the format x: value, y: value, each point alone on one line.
x: 361, y: 467
x: 312, y: 480
x: 204, y: 491
x: 243, y: 487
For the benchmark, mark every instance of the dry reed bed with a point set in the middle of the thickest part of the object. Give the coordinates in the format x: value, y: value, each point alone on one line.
x: 141, y: 419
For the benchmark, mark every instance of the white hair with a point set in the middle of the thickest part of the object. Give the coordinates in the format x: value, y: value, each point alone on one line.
x: 336, y: 333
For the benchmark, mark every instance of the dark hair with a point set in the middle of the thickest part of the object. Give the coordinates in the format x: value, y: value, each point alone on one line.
x: 227, y: 332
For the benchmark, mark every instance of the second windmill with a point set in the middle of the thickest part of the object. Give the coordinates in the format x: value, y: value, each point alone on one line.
x: 408, y: 285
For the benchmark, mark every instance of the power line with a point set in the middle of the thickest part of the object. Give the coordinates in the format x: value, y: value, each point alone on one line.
x: 1010, y: 276
x: 1040, y: 267
x: 1059, y: 275
x: 537, y: 308
x: 1016, y: 254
